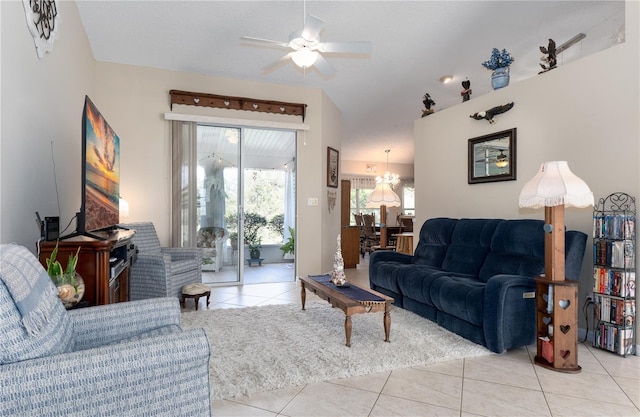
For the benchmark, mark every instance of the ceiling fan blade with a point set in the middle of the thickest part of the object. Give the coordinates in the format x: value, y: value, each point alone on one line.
x: 277, y: 64
x: 312, y: 27
x: 269, y: 41
x: 324, y: 67
x: 357, y: 47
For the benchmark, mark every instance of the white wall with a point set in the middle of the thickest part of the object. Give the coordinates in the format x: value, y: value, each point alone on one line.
x: 586, y: 112
x: 42, y: 101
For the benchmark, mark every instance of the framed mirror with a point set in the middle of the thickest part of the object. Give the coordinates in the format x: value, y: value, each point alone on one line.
x: 492, y: 157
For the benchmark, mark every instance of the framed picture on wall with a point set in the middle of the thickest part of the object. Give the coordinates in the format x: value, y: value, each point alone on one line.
x: 333, y: 162
x: 492, y: 157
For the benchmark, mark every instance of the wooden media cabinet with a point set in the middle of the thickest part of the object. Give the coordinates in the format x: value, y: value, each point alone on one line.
x: 103, y: 264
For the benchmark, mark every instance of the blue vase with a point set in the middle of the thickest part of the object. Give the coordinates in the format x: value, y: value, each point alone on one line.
x: 500, y: 78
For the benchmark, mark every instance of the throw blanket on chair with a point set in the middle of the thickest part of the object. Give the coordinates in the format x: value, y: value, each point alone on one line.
x: 31, y: 288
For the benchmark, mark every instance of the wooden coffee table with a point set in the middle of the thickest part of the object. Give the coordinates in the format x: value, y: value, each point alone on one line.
x: 372, y: 302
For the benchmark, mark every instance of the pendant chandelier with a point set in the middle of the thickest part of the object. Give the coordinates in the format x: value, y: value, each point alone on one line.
x: 383, y: 194
x: 388, y: 178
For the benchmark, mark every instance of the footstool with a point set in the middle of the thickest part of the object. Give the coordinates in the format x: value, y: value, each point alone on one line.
x: 195, y: 291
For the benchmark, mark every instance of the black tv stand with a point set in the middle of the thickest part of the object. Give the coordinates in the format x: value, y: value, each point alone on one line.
x: 87, y: 234
x: 81, y: 229
x: 111, y: 229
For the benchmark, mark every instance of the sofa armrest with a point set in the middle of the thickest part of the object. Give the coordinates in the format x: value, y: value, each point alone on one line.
x: 165, y: 375
x: 389, y: 256
x: 96, y: 326
x: 180, y: 254
x: 509, y: 317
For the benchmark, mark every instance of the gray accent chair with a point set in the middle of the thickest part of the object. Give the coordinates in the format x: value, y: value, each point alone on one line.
x: 124, y: 359
x: 160, y: 271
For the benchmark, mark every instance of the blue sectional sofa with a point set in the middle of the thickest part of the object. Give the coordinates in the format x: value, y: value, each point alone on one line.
x: 474, y: 277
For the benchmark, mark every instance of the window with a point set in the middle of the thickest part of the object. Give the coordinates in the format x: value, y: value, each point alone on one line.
x: 358, y: 204
x: 409, y: 200
x: 361, y: 187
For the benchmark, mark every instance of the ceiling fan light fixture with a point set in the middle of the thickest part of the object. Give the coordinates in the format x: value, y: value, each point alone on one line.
x: 501, y: 160
x: 304, y: 57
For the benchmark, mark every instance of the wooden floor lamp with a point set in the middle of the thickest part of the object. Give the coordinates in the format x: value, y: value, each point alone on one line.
x: 383, y: 196
x: 555, y: 187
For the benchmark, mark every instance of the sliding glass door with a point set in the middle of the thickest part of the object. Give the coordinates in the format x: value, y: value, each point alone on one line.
x: 237, y: 201
x: 218, y: 207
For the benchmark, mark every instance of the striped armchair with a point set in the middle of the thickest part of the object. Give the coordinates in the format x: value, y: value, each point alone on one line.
x: 125, y: 359
x: 160, y: 271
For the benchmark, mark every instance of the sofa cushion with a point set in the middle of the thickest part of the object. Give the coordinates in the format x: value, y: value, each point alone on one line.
x: 55, y: 333
x: 470, y: 243
x: 387, y: 275
x: 459, y: 296
x: 416, y: 282
x: 435, y: 236
x: 517, y: 248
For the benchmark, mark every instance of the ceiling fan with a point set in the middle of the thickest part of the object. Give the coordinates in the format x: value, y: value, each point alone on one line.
x: 306, y: 48
x: 501, y: 160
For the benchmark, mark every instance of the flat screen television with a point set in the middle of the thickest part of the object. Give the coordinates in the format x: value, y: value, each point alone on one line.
x: 100, y: 209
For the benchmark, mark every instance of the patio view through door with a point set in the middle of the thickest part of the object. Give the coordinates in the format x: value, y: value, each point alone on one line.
x: 243, y: 198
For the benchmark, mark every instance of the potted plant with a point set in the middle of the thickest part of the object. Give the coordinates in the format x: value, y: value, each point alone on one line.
x: 69, y: 283
x: 254, y: 249
x: 233, y: 240
x: 290, y: 245
x: 253, y: 223
x: 277, y: 224
x: 499, y: 63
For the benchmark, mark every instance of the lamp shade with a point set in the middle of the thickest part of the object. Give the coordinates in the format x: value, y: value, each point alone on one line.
x: 555, y: 185
x: 383, y: 195
x: 124, y: 208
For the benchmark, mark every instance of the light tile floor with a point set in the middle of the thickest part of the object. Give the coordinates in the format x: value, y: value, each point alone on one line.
x: 498, y: 385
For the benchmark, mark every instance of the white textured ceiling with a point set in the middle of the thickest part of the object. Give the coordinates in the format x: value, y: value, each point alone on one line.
x: 414, y: 43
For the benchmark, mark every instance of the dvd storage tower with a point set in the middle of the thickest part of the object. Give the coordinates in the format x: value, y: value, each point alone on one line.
x: 614, y: 273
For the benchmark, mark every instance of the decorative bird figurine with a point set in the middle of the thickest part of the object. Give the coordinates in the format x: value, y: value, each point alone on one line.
x: 427, y: 104
x: 466, y: 93
x: 489, y: 114
x: 550, y: 57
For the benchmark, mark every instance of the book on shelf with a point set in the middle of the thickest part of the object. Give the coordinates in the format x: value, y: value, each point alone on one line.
x: 619, y: 283
x: 625, y: 342
x: 614, y: 226
x: 614, y: 339
x: 629, y: 312
x: 629, y: 252
x: 614, y: 253
x: 616, y: 311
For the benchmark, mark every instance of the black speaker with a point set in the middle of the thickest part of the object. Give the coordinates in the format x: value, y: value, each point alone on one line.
x: 51, y: 228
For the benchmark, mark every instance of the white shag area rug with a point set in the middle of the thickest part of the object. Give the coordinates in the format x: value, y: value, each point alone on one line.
x: 257, y: 349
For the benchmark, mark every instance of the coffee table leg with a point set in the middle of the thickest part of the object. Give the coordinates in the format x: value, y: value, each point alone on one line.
x: 347, y: 329
x: 387, y: 323
x: 303, y: 294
